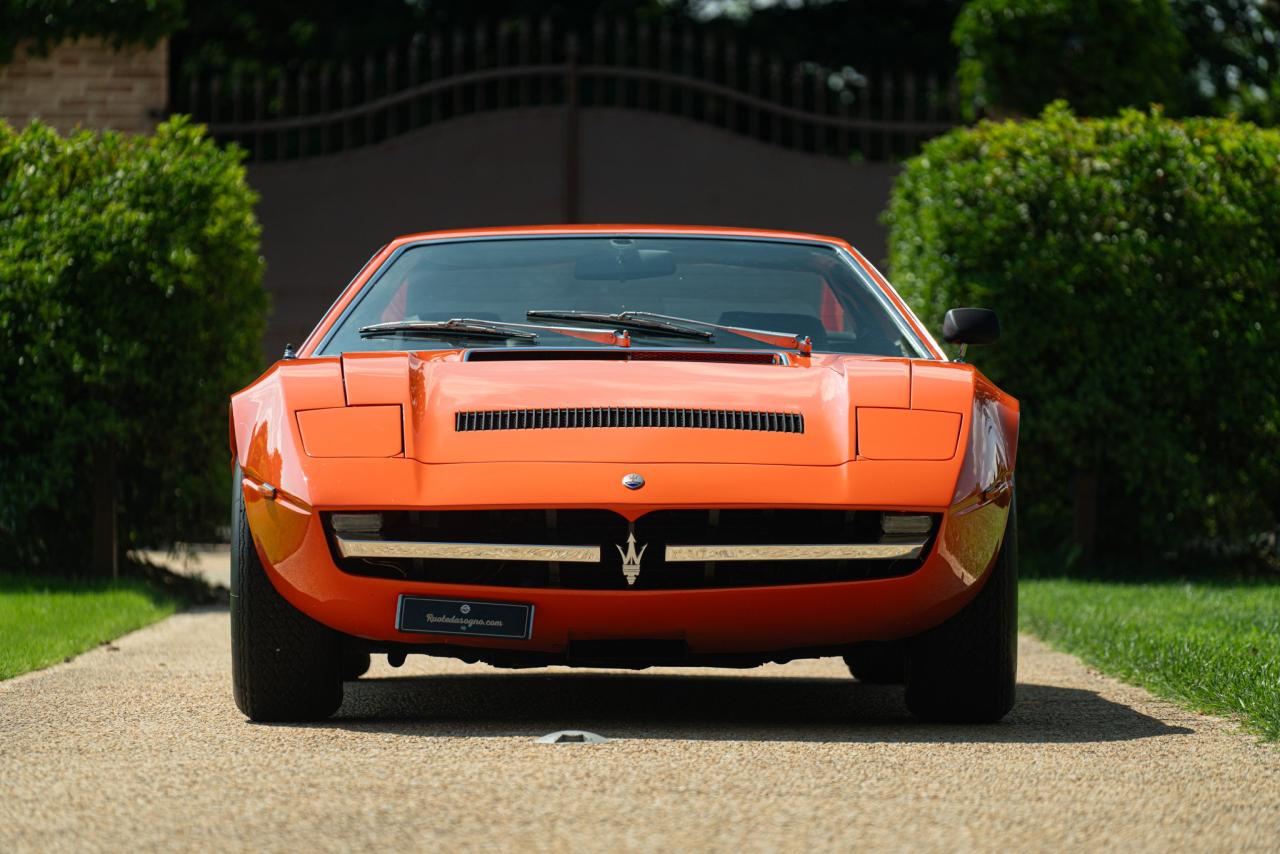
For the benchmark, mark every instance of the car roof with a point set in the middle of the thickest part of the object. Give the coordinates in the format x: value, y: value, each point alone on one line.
x: 617, y: 228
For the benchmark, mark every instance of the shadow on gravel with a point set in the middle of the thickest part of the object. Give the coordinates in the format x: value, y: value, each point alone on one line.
x: 714, y: 708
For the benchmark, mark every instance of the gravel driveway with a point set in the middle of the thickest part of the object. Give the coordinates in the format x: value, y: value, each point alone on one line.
x: 138, y: 746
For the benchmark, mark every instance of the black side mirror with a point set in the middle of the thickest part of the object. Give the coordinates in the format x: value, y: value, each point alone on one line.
x: 971, y: 326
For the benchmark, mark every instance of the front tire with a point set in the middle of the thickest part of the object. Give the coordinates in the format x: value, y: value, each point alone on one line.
x: 965, y: 669
x: 284, y: 665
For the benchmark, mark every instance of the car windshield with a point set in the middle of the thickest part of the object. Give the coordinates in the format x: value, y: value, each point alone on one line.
x: 805, y: 289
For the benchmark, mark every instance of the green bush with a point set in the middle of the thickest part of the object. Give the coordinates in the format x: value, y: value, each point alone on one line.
x: 1135, y: 263
x: 1016, y: 56
x: 131, y: 304
x: 46, y: 22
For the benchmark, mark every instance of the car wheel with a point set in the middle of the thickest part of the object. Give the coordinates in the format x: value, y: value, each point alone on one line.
x: 284, y: 665
x: 965, y: 669
x: 878, y: 663
x: 355, y: 663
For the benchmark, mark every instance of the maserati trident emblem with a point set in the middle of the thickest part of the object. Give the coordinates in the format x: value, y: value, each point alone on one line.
x: 632, y: 481
x: 631, y: 558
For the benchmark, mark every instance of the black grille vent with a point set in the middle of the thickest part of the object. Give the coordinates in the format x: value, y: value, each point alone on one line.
x: 605, y: 354
x: 653, y: 531
x: 629, y: 416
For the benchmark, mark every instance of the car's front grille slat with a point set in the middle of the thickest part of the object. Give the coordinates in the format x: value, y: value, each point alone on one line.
x: 584, y: 549
x: 628, y: 417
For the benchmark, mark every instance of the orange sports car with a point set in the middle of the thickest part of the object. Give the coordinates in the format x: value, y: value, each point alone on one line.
x: 625, y: 446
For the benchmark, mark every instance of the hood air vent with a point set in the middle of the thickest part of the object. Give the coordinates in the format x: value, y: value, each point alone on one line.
x: 591, y: 354
x: 629, y: 416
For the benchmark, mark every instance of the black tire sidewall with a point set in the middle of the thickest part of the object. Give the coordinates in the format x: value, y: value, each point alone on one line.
x: 965, y: 670
x: 285, y: 666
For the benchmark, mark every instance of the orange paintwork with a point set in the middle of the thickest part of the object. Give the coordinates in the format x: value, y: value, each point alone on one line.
x: 880, y: 433
x: 352, y: 431
x: 907, y: 434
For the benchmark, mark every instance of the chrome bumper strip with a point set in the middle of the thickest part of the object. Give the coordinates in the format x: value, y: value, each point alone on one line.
x: 467, y: 551
x: 592, y: 554
x: 847, y: 551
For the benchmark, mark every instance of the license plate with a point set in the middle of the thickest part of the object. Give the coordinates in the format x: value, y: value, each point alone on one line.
x: 464, y: 617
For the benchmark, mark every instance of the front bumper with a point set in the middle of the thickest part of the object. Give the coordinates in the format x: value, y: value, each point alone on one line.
x: 290, y: 539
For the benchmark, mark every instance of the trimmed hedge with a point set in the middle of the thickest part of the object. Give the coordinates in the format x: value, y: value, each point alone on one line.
x: 46, y: 22
x: 131, y: 304
x: 1135, y: 263
x: 1016, y: 56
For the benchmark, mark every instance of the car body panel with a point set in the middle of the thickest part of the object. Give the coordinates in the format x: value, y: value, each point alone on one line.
x: 292, y: 544
x: 940, y: 438
x: 352, y: 431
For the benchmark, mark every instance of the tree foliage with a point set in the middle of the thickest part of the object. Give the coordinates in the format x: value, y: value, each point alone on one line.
x: 860, y: 34
x: 44, y: 23
x: 1134, y: 263
x: 1232, y: 63
x: 247, y: 35
x: 131, y: 305
x: 1099, y: 55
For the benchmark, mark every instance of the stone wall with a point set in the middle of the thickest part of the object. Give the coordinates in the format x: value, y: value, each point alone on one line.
x: 87, y: 83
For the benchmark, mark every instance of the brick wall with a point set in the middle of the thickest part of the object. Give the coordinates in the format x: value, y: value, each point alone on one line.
x: 87, y: 83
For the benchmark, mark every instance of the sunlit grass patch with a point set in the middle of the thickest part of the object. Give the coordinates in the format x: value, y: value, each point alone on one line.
x: 1213, y: 646
x: 44, y: 620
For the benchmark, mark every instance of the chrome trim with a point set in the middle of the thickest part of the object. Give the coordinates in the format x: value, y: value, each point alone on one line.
x: 836, y: 551
x: 466, y: 551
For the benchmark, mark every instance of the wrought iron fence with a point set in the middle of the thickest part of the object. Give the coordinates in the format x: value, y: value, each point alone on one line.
x: 696, y: 73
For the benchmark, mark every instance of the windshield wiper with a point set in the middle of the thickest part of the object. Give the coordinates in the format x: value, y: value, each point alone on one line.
x: 669, y: 325
x: 458, y: 327
x: 637, y: 320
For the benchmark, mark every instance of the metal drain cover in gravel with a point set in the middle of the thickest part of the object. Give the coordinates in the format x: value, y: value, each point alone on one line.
x: 572, y: 736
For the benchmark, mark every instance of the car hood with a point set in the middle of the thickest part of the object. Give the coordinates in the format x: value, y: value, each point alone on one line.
x: 437, y: 394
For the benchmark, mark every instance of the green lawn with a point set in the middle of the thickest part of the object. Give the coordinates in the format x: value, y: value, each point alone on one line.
x: 1213, y: 646
x: 44, y: 620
